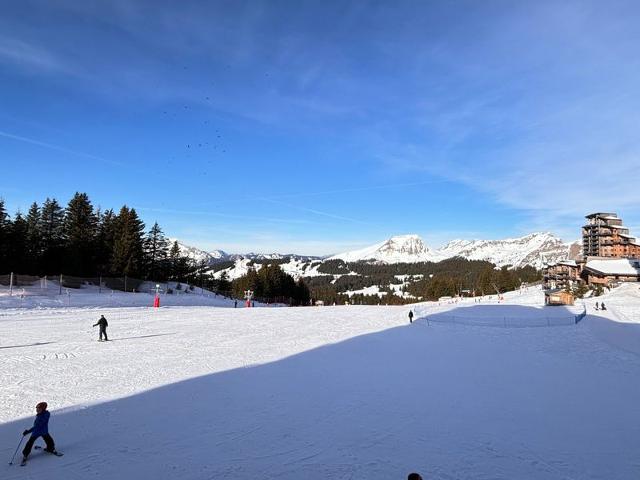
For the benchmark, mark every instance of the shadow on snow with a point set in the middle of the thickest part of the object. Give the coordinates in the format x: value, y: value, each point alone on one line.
x: 445, y: 401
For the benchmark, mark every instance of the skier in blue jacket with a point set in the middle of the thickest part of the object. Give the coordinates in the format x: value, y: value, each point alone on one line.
x: 40, y: 429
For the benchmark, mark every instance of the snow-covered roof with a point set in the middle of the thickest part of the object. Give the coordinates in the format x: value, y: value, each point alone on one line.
x: 570, y: 263
x: 619, y: 266
x: 618, y: 227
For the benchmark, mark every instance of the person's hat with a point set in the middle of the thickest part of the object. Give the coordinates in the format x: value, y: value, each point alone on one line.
x: 42, y: 405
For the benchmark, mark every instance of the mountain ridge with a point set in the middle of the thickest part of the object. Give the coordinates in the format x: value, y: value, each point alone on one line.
x: 534, y: 249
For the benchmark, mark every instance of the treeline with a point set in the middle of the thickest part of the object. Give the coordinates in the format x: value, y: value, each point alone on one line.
x: 271, y: 285
x: 427, y: 280
x: 83, y: 241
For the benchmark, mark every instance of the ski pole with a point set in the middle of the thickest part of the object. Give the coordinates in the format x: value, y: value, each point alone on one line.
x: 18, y: 448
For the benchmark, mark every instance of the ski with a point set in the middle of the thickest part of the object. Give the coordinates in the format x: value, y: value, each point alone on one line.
x: 56, y: 453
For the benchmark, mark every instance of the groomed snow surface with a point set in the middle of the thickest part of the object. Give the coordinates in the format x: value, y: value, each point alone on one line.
x: 346, y: 392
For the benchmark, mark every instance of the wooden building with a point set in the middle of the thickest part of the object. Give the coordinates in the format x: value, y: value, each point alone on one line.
x: 558, y: 297
x: 609, y: 271
x: 564, y: 274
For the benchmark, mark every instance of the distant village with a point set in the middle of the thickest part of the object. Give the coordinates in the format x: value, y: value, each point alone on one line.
x: 610, y: 255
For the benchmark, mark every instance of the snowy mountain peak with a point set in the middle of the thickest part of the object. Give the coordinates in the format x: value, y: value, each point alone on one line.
x: 398, y: 249
x: 406, y: 244
x: 199, y: 255
x: 533, y: 249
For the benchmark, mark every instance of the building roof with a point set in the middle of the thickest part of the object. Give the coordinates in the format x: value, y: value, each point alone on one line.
x: 608, y: 215
x: 618, y: 266
x: 569, y: 263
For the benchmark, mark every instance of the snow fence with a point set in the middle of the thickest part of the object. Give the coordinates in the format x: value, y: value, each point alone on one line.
x: 504, y: 321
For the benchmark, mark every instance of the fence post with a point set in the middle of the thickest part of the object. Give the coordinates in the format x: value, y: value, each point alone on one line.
x: 60, y: 293
x: 11, y: 284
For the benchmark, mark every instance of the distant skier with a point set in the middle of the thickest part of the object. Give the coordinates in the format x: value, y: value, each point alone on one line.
x: 602, y: 307
x: 40, y: 429
x: 103, y: 324
x: 235, y: 304
x: 410, y: 316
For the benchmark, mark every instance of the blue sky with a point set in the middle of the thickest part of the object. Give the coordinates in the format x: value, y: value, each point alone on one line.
x: 317, y: 127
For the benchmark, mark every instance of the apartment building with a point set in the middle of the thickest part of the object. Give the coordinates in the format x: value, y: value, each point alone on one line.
x: 563, y: 274
x: 604, y: 235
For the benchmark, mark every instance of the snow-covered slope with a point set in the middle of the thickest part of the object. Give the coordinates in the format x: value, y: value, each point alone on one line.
x: 398, y: 249
x: 534, y: 249
x: 297, y: 266
x: 199, y: 255
x: 324, y: 393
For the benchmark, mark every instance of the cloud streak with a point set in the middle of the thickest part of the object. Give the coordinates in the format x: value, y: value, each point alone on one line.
x: 58, y: 148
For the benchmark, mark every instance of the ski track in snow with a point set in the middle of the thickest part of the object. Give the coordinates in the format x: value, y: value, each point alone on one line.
x: 345, y: 392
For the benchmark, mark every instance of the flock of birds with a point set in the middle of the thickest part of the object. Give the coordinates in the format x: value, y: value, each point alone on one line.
x: 214, y: 145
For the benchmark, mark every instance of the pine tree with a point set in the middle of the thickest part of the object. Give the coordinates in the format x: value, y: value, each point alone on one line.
x: 128, y: 252
x: 52, y: 230
x: 174, y: 260
x: 80, y: 228
x: 302, y: 294
x: 105, y: 238
x: 224, y: 285
x: 4, y: 238
x: 156, y: 248
x: 34, y: 240
x: 17, y: 247
x: 179, y: 266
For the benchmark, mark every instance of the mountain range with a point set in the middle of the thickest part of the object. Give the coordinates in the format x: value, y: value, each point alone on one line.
x: 534, y: 249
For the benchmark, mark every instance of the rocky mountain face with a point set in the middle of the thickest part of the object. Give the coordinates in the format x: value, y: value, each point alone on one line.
x: 398, y: 249
x: 535, y: 249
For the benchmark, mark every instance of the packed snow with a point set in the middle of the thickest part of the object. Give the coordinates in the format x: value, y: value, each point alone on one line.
x: 200, y: 392
x: 49, y: 294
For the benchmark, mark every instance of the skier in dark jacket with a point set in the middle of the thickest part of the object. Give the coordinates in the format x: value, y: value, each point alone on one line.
x: 102, y: 323
x: 40, y: 429
x: 410, y: 316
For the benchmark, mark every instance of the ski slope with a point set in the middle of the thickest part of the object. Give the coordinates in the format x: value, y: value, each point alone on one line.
x: 197, y: 392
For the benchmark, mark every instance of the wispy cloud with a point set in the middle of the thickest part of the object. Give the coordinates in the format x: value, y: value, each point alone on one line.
x: 550, y: 130
x: 314, y: 211
x: 31, y: 56
x: 58, y: 148
x: 293, y: 221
